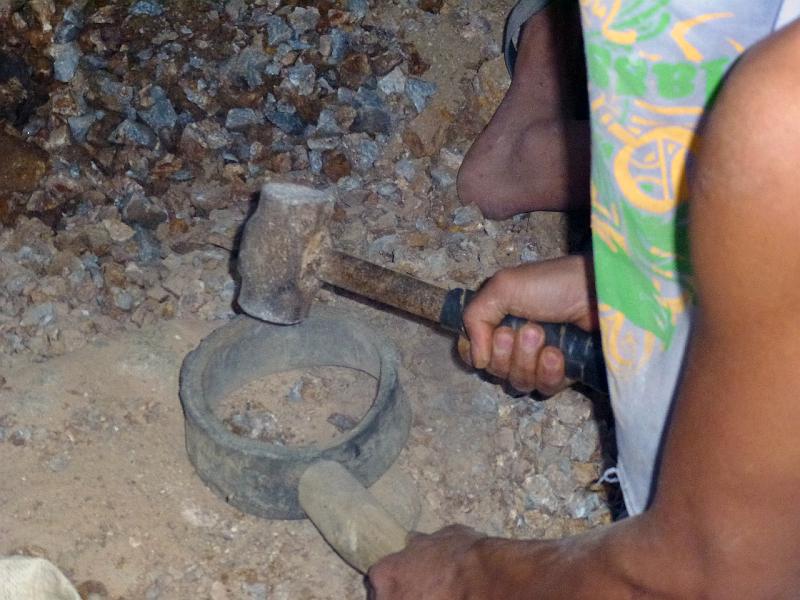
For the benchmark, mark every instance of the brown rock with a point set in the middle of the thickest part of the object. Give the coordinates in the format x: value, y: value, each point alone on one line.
x: 92, y: 590
x: 354, y: 70
x: 307, y: 107
x: 200, y: 139
x: 413, y: 142
x: 114, y: 274
x: 336, y: 165
x: 178, y: 226
x: 416, y: 65
x: 281, y: 162
x: 491, y: 85
x: 23, y: 165
x: 431, y: 6
x: 426, y: 134
x: 384, y: 62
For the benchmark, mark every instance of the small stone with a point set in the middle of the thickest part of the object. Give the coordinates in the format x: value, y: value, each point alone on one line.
x: 278, y: 31
x: 112, y: 95
x: 539, y: 494
x: 119, y: 231
x: 340, y: 44
x: 38, y: 314
x: 335, y: 166
x: 79, y: 126
x: 584, y: 442
x: 426, y: 133
x: 143, y: 210
x: 59, y: 462
x: 388, y: 190
x: 315, y: 161
x: 358, y: 8
x: 289, y: 123
x: 198, y: 139
x: 132, y: 133
x: 443, y: 178
x: 406, y: 169
x: 92, y: 590
x: 364, y: 154
x: 450, y: 159
x: 529, y: 254
x: 419, y: 92
x: 21, y: 436
x: 581, y: 504
x: 342, y: 422
x: 149, y: 246
x: 242, y: 118
x: 384, y: 62
x: 146, y: 8
x: 162, y: 113
x: 572, y: 408
x: 556, y: 434
x: 490, y: 86
x: 296, y: 392
x: 70, y: 26
x: 373, y: 121
x: 383, y: 248
x: 393, y: 83
x: 44, y: 10
x: 65, y: 60
x: 302, y: 78
x: 435, y: 263
x: 354, y: 70
x: 247, y: 66
x: 467, y: 217
x: 23, y: 165
x: 302, y: 19
x: 431, y: 6
x: 255, y: 591
x: 235, y: 9
x: 123, y: 300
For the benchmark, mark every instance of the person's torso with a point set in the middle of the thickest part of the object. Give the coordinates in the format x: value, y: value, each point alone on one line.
x: 654, y: 66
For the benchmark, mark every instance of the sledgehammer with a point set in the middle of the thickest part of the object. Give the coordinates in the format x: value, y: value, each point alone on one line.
x: 285, y: 256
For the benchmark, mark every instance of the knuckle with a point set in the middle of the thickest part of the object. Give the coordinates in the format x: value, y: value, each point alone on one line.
x: 380, y: 576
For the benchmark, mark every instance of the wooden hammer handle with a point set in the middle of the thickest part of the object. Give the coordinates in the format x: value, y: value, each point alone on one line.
x: 348, y: 516
x: 582, y: 350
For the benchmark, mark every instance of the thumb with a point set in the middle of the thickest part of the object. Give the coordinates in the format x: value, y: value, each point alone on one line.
x: 482, y: 315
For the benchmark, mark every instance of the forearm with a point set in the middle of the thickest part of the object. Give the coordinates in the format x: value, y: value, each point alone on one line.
x: 634, y: 558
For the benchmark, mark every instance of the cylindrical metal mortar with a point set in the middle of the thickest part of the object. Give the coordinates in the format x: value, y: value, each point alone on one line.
x: 261, y: 478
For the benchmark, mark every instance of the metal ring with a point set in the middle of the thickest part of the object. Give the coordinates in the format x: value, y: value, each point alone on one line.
x: 261, y: 478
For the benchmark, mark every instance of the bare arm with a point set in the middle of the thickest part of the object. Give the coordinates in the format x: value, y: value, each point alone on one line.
x: 724, y: 522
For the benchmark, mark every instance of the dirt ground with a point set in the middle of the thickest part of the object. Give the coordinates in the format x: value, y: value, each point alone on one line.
x: 98, y: 481
x: 92, y: 458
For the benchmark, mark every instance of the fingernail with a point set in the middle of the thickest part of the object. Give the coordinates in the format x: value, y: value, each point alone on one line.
x: 550, y: 360
x: 504, y: 342
x: 531, y: 337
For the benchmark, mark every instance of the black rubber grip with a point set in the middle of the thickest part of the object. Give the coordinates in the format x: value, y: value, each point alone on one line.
x: 582, y: 350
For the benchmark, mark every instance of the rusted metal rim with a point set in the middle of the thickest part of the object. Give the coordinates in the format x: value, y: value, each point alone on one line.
x: 261, y: 478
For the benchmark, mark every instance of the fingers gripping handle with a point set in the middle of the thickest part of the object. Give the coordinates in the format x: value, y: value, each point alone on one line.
x: 348, y: 516
x: 582, y: 350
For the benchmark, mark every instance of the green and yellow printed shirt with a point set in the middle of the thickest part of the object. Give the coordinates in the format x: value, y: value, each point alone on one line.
x: 654, y: 67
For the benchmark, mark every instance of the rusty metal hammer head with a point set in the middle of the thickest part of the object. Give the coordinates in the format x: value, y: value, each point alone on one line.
x: 282, y: 246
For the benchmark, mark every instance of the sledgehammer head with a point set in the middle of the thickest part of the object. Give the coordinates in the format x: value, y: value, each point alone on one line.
x: 282, y: 245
